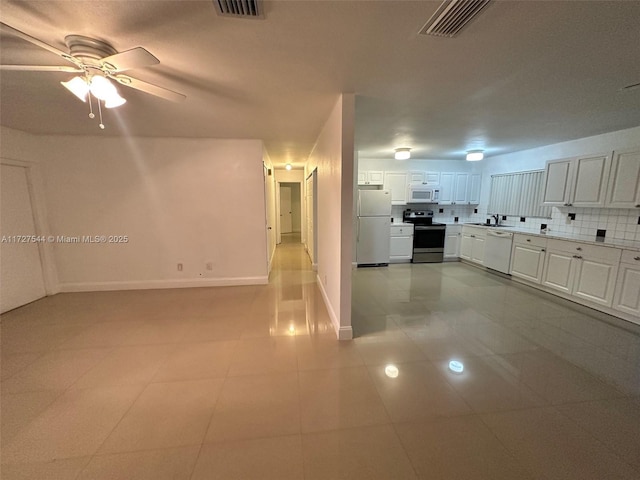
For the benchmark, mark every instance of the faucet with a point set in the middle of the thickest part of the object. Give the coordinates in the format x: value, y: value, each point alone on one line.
x: 497, y: 219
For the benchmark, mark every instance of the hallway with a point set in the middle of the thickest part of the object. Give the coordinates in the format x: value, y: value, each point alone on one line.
x: 251, y: 383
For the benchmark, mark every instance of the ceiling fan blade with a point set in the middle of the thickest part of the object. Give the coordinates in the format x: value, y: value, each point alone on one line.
x: 41, y: 68
x: 35, y: 41
x: 134, y: 58
x: 149, y: 88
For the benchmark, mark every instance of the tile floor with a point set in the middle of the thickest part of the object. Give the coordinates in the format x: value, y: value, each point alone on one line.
x: 249, y: 382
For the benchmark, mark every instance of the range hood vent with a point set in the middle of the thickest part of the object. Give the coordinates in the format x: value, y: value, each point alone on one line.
x: 239, y: 8
x: 452, y: 16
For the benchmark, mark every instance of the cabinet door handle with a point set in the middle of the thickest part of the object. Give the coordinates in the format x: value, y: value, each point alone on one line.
x: 528, y: 239
x: 637, y: 206
x: 579, y: 248
x: 636, y: 258
x: 473, y: 236
x: 577, y: 256
x: 542, y: 250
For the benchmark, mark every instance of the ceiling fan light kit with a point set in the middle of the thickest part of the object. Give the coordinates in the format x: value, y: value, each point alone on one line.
x: 97, y: 64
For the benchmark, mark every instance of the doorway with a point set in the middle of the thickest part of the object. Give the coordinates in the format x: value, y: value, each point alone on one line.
x: 290, y: 207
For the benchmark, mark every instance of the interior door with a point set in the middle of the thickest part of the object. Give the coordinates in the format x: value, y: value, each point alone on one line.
x: 285, y: 210
x: 21, y: 270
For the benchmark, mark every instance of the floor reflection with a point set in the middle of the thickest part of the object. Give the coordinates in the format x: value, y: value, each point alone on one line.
x: 454, y: 309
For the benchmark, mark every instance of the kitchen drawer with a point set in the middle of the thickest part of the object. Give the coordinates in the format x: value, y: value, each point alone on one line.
x: 532, y: 240
x: 629, y: 256
x: 401, y: 230
x: 609, y: 254
x: 477, y: 231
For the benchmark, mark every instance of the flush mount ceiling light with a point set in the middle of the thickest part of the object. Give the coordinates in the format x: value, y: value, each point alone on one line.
x: 288, y: 166
x: 402, y: 153
x: 475, y: 155
x: 456, y: 367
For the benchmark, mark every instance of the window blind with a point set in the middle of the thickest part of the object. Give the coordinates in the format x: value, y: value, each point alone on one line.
x: 518, y: 194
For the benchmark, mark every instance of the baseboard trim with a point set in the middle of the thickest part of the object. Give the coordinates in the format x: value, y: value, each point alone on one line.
x: 343, y: 333
x: 332, y: 314
x: 162, y: 284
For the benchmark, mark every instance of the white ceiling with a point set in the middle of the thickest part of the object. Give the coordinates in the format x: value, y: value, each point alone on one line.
x: 522, y: 74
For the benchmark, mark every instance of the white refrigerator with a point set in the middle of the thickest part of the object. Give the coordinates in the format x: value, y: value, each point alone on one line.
x: 374, y: 227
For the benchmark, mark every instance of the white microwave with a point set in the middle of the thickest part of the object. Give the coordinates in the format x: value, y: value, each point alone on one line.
x: 423, y: 194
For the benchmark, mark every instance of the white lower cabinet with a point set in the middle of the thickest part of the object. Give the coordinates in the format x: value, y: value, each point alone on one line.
x: 452, y: 238
x: 557, y: 272
x: 627, y: 296
x: 587, y: 272
x: 401, y: 243
x: 472, y: 245
x: 527, y: 257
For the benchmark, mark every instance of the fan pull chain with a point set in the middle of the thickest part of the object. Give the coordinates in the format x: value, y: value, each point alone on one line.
x: 91, y: 115
x: 101, y: 125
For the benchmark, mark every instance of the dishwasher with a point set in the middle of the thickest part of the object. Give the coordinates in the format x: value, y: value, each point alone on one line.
x: 497, y: 250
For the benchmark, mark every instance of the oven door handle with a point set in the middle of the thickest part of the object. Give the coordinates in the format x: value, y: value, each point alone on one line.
x: 429, y: 228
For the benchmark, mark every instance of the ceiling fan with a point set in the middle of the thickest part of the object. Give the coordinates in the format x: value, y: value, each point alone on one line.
x: 96, y: 63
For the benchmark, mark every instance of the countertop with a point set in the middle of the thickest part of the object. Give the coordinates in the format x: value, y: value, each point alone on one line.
x: 401, y: 224
x: 590, y: 239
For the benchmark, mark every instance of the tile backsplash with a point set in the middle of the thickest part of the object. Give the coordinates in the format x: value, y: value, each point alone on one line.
x: 618, y: 223
x: 622, y: 224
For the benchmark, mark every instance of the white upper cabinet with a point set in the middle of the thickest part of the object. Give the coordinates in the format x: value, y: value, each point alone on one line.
x: 624, y: 180
x: 557, y: 187
x: 461, y: 185
x: 447, y: 184
x: 371, y: 178
x: 424, y: 178
x: 459, y: 188
x: 432, y: 178
x: 397, y: 183
x: 577, y: 182
x: 473, y: 197
x: 416, y: 178
x: 591, y: 179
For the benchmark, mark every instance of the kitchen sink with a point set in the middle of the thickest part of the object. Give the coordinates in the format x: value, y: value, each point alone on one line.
x: 492, y: 226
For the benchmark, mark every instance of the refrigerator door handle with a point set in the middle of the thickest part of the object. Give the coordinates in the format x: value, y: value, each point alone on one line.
x: 358, y: 231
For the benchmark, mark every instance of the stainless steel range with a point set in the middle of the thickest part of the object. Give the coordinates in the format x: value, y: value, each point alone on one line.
x: 428, y: 236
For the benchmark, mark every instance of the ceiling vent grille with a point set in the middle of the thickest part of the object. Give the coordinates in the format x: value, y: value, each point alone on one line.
x: 452, y: 16
x: 239, y: 8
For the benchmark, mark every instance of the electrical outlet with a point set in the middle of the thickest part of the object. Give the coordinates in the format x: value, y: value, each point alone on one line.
x: 179, y: 267
x: 209, y: 266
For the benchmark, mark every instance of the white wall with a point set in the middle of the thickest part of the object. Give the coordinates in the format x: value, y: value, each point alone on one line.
x: 189, y: 201
x: 619, y: 223
x: 333, y: 155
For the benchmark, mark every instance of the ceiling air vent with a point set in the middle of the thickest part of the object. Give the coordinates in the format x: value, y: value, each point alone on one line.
x: 239, y: 8
x: 452, y: 16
